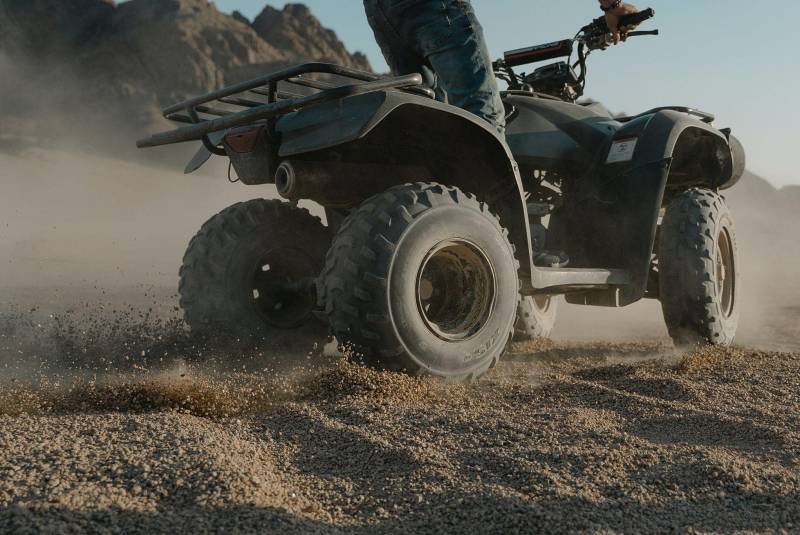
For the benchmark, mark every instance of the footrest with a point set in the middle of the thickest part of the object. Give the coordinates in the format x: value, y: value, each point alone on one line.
x: 566, y: 280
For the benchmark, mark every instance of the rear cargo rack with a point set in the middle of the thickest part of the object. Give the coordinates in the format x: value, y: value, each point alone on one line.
x: 244, y: 107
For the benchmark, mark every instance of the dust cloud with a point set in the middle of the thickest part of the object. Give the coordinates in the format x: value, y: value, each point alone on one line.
x: 82, y: 214
x: 91, y: 241
x: 75, y: 220
x: 114, y: 418
x: 79, y: 219
x: 767, y: 225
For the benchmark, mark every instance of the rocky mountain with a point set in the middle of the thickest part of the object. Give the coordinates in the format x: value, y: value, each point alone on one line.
x: 290, y: 29
x: 73, y: 58
x: 100, y: 71
x: 41, y: 27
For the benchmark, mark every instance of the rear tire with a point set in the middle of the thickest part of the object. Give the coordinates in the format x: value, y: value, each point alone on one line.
x: 422, y: 279
x: 536, y: 317
x: 233, y: 274
x: 698, y: 270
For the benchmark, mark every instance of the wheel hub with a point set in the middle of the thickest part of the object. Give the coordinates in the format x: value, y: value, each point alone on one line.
x: 456, y: 290
x: 281, y: 287
x: 542, y: 303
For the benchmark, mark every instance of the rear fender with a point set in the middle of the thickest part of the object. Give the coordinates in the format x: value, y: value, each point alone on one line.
x: 406, y: 131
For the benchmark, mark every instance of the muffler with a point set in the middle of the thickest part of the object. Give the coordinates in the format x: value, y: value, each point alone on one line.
x: 286, y: 181
x: 339, y: 184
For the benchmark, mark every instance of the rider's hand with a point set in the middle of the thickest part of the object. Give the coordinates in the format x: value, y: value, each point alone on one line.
x: 612, y: 19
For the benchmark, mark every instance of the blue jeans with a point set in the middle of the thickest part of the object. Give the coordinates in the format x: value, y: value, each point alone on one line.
x: 443, y: 40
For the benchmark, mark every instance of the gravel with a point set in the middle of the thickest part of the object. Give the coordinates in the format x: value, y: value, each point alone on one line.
x: 596, y: 437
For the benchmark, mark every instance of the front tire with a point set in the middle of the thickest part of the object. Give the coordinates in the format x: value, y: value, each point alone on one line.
x: 698, y: 269
x: 236, y: 273
x: 422, y: 279
x: 536, y: 317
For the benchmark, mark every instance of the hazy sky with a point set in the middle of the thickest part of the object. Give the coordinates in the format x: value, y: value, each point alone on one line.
x: 735, y: 58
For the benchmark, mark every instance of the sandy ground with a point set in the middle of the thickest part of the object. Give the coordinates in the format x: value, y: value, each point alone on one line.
x: 113, y: 420
x: 600, y: 437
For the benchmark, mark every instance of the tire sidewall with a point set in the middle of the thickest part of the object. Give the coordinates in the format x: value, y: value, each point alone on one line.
x: 730, y: 323
x: 688, y: 248
x: 218, y: 269
x: 432, y: 354
x: 532, y: 321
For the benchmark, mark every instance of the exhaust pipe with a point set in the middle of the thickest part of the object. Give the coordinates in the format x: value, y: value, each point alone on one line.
x: 327, y: 183
x: 286, y: 181
x: 339, y: 184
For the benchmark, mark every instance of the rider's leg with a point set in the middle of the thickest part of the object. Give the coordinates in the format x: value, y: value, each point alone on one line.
x: 450, y: 38
x: 401, y: 58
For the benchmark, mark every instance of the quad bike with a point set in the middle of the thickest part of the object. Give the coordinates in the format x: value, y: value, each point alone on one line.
x: 443, y: 239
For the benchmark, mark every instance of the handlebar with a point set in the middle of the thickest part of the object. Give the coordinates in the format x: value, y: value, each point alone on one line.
x: 642, y: 34
x: 637, y: 18
x: 523, y: 56
x: 599, y: 25
x: 594, y: 36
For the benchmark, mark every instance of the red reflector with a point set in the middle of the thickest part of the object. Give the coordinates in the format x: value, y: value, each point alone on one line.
x: 244, y: 139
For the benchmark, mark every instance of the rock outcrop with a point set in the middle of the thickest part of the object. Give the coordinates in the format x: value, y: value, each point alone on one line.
x: 131, y: 58
x: 296, y: 31
x: 40, y: 28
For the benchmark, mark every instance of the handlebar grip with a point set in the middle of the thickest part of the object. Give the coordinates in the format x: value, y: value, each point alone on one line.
x: 523, y: 56
x: 637, y: 18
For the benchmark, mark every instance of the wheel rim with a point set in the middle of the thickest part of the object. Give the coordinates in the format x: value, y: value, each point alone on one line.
x: 542, y: 303
x: 726, y: 273
x: 456, y: 290
x: 278, y: 293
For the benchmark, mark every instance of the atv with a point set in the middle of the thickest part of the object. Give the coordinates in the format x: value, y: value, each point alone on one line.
x: 443, y: 239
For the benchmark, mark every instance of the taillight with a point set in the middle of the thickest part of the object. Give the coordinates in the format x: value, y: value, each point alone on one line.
x: 244, y: 139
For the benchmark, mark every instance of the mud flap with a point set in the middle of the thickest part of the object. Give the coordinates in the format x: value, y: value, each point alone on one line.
x: 624, y: 210
x: 203, y: 155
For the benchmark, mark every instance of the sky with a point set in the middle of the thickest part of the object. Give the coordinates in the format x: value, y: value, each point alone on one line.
x: 735, y: 58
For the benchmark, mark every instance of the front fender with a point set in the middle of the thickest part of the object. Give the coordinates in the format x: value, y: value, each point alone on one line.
x: 614, y: 220
x: 699, y: 155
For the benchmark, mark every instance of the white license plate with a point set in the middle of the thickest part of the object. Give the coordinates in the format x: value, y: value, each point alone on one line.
x: 622, y: 150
